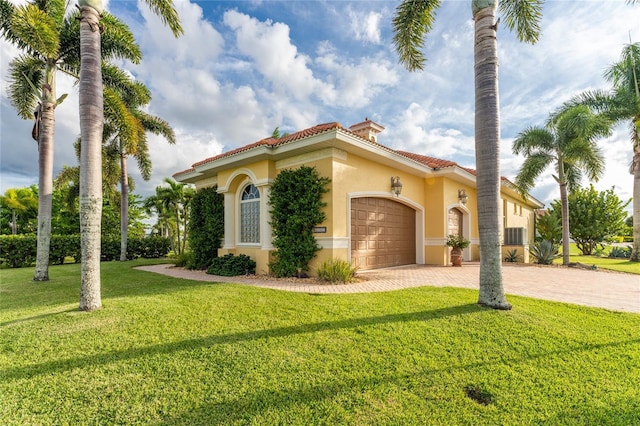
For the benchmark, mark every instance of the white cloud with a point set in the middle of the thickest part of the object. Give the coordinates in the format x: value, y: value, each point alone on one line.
x: 268, y: 44
x: 365, y: 25
x: 356, y: 83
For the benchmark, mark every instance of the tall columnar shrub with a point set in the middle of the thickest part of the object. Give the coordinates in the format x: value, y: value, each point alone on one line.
x: 206, y: 227
x: 296, y: 207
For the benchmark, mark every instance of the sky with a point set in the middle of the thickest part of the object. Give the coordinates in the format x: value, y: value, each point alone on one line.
x: 243, y: 68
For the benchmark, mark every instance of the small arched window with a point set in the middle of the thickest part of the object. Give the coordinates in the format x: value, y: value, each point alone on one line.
x: 250, y: 215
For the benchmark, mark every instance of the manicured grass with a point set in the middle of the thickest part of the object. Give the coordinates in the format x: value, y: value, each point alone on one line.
x: 169, y: 351
x: 620, y: 265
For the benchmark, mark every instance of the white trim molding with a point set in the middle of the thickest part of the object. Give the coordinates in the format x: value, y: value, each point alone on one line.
x: 333, y: 242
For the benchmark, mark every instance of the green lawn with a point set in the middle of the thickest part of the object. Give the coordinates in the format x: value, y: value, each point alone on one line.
x: 168, y: 351
x: 620, y: 265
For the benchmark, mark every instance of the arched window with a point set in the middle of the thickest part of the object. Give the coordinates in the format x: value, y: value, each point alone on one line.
x: 250, y: 215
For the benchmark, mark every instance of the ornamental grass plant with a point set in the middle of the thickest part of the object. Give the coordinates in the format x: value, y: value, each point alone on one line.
x: 176, y: 352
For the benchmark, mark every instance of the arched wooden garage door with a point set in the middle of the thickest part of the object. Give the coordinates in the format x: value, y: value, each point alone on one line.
x: 383, y: 233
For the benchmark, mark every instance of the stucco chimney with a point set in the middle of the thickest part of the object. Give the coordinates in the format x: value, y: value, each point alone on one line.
x: 367, y: 130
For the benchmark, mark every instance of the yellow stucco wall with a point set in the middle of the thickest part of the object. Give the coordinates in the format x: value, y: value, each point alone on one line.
x: 355, y: 176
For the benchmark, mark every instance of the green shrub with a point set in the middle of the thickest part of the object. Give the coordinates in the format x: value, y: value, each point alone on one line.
x: 63, y: 246
x: 184, y: 259
x: 337, y: 270
x: 544, y: 252
x: 296, y: 207
x: 18, y: 251
x: 230, y: 265
x: 206, y: 227
x: 512, y: 256
x: 599, y: 251
x: 620, y: 252
x: 154, y: 247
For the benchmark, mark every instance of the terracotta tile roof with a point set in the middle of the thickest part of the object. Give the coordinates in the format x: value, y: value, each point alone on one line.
x: 320, y: 128
x: 434, y: 163
x: 182, y: 172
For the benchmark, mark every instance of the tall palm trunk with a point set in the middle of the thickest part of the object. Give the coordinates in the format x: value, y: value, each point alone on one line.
x: 178, y: 227
x: 124, y: 206
x: 14, y: 222
x: 45, y: 190
x: 564, y: 202
x: 635, y: 253
x: 45, y: 135
x: 91, y: 123
x: 487, y: 130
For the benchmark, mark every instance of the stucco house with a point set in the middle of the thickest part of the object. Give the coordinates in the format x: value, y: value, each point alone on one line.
x: 384, y: 207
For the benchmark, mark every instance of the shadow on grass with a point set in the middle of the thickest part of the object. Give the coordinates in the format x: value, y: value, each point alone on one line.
x: 245, y: 408
x: 118, y: 279
x: 57, y: 366
x: 37, y: 317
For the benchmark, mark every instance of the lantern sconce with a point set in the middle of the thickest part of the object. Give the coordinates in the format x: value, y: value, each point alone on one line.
x: 462, y: 196
x: 396, y: 185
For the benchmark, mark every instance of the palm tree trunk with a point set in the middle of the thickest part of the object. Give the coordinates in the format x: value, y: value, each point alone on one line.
x: 178, y: 227
x: 45, y: 184
x: 635, y: 253
x: 487, y: 129
x: 124, y: 207
x: 14, y: 222
x: 91, y: 123
x: 564, y: 202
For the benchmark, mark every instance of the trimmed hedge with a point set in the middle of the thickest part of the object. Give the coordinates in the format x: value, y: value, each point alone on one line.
x: 206, y: 227
x: 18, y: 251
x: 230, y: 265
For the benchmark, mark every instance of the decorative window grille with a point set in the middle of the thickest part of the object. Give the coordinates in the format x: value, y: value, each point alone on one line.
x: 250, y: 215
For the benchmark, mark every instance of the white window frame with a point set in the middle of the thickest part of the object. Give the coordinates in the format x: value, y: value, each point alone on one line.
x: 241, y: 203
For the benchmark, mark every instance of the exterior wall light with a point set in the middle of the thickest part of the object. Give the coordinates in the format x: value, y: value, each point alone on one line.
x: 462, y: 196
x: 396, y: 185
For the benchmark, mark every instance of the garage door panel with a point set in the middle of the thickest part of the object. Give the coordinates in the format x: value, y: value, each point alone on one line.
x: 382, y: 233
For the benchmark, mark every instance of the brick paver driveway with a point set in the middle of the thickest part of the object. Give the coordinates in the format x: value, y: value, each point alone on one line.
x: 603, y: 289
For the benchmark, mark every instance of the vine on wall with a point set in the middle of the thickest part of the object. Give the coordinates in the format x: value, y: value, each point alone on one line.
x: 296, y: 207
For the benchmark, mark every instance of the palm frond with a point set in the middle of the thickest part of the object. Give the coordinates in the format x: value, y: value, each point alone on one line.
x: 534, y: 139
x: 531, y: 169
x: 70, y: 44
x: 116, y: 111
x: 157, y: 126
x: 166, y: 11
x: 37, y: 30
x: 143, y: 159
x: 524, y: 17
x: 56, y: 9
x: 26, y: 74
x: 117, y: 41
x: 413, y: 21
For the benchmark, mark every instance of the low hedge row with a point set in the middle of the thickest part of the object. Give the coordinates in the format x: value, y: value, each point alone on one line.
x: 20, y: 250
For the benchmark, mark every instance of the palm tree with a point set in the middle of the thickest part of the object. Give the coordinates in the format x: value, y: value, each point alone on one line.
x: 175, y: 199
x: 622, y: 104
x: 50, y: 38
x: 569, y: 143
x: 43, y: 32
x: 125, y: 133
x: 91, y: 126
x: 413, y: 20
x: 153, y: 204
x: 19, y: 201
